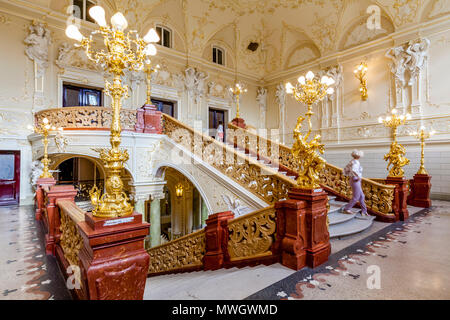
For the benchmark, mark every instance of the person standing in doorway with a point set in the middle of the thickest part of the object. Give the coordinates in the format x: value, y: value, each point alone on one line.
x: 353, y: 171
x: 219, y: 132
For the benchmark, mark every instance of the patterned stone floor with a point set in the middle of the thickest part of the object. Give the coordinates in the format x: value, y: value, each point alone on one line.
x: 26, y: 273
x: 407, y: 260
x: 412, y: 258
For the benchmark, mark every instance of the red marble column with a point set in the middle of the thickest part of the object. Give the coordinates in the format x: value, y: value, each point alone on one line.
x: 302, y: 229
x: 149, y: 120
x: 41, y: 184
x: 55, y: 193
x: 239, y: 122
x: 420, y: 191
x: 216, y: 233
x: 113, y: 261
x: 400, y: 205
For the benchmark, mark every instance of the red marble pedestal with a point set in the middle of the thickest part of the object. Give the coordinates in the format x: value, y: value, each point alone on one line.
x: 113, y: 261
x: 52, y: 220
x: 400, y: 205
x: 41, y: 184
x: 149, y: 120
x: 302, y: 232
x: 420, y: 191
x: 216, y: 234
x: 239, y: 122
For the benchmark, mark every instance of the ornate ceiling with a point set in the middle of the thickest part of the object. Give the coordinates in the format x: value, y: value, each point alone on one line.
x: 289, y: 32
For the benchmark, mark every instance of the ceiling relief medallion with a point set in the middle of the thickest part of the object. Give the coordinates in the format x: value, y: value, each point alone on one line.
x: 324, y: 30
x: 406, y: 11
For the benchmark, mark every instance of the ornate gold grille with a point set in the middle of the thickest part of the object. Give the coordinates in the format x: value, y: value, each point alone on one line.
x: 252, y: 235
x: 86, y: 117
x: 71, y: 241
x: 182, y: 253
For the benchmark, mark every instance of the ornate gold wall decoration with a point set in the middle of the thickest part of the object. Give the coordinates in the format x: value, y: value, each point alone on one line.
x: 252, y: 235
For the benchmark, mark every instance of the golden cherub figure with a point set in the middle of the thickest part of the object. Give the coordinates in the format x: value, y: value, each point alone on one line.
x: 307, y: 155
x: 397, y: 159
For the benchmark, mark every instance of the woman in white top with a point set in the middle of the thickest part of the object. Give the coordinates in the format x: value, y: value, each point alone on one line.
x: 219, y: 132
x: 353, y: 170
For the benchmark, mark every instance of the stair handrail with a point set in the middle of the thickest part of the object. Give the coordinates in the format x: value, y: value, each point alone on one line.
x: 379, y: 196
x: 270, y: 187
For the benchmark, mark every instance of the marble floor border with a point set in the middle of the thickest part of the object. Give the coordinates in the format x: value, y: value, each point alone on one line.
x: 290, y: 283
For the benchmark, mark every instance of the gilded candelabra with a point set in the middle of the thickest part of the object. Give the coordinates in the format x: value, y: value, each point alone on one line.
x: 309, y: 91
x: 361, y: 74
x: 396, y: 156
x: 122, y: 53
x: 423, y: 135
x: 149, y: 70
x: 44, y: 129
x: 237, y: 91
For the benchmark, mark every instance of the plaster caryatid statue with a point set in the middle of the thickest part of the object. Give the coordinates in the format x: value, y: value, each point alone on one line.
x: 418, y: 52
x: 399, y: 61
x: 261, y: 98
x: 200, y: 84
x: 38, y: 42
x: 189, y: 80
x: 36, y: 171
x: 281, y: 100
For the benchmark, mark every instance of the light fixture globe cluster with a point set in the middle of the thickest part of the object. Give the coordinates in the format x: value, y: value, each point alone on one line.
x: 44, y: 129
x: 310, y: 90
x: 122, y: 52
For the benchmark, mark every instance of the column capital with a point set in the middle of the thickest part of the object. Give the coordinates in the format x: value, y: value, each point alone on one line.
x: 148, y: 191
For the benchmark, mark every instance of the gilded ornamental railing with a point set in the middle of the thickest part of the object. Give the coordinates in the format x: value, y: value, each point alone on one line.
x: 183, y: 253
x: 71, y: 241
x: 86, y: 118
x: 379, y: 196
x: 252, y: 235
x: 262, y: 181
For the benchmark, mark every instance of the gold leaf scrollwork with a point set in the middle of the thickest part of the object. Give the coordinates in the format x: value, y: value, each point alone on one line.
x: 184, y: 252
x: 252, y: 235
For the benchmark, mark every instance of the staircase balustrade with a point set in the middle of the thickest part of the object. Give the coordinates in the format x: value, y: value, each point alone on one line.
x: 261, y: 180
x: 86, y: 118
x: 380, y: 197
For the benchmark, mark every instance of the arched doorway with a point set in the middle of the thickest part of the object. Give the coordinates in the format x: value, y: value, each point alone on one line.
x: 83, y: 173
x: 183, y: 209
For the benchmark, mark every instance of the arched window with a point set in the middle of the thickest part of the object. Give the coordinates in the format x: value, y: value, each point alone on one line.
x: 165, y: 35
x: 80, y: 9
x: 218, y: 56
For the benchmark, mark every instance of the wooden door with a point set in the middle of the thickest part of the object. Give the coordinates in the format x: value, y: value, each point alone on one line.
x: 9, y: 177
x: 215, y: 118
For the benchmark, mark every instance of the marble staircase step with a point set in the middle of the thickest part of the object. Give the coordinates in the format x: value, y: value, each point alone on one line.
x: 338, y: 217
x: 350, y: 227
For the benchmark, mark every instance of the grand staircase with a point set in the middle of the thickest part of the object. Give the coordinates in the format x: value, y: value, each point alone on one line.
x: 340, y: 224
